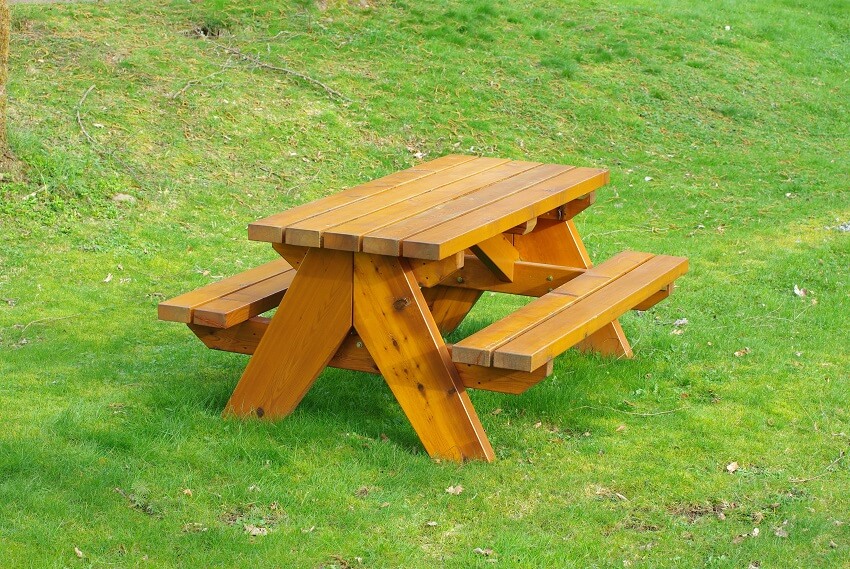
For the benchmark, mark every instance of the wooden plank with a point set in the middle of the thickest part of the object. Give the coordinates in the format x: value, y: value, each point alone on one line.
x: 241, y: 339
x: 353, y: 355
x: 502, y: 380
x: 180, y: 308
x: 499, y: 255
x: 306, y: 331
x: 387, y: 240
x: 553, y: 336
x: 292, y: 253
x: 393, y: 320
x: 244, y: 303
x: 348, y: 236
x: 530, y: 279
x: 479, y: 348
x: 271, y: 228
x: 466, y: 230
x: 320, y: 230
x: 450, y: 305
x: 556, y: 241
x: 430, y: 273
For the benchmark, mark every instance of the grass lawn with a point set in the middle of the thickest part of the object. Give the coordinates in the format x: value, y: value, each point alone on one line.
x: 726, y: 127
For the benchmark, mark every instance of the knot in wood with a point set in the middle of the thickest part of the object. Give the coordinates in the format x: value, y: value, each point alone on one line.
x: 401, y: 303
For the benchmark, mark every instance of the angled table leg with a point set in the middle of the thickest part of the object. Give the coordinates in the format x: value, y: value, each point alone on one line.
x: 392, y: 318
x: 312, y: 321
x: 449, y: 305
x: 558, y: 243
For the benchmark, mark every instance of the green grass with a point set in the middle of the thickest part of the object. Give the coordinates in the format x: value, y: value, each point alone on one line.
x: 110, y: 417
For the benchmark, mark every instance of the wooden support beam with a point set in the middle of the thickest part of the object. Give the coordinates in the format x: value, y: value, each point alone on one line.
x: 529, y: 279
x: 353, y: 355
x: 499, y: 255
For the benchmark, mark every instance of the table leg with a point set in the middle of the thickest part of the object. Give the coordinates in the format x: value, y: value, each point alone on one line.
x: 313, y: 319
x: 392, y: 318
x: 449, y: 305
x: 558, y: 243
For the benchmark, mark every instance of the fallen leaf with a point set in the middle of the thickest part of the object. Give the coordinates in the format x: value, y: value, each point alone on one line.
x: 780, y: 532
x: 496, y: 411
x: 681, y: 322
x: 108, y: 278
x: 362, y: 492
x: 308, y: 530
x: 731, y: 467
x: 187, y: 492
x: 801, y: 292
x: 77, y: 552
x: 485, y: 552
x: 454, y: 490
x: 677, y: 331
x: 620, y: 429
x: 742, y: 352
x: 832, y: 544
x: 647, y: 179
x: 431, y: 524
x: 385, y: 504
x: 254, y: 531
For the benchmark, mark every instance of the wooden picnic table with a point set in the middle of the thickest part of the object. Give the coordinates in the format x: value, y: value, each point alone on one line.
x: 372, y: 277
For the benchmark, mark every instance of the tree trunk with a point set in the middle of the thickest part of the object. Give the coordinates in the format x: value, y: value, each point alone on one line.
x: 4, y: 63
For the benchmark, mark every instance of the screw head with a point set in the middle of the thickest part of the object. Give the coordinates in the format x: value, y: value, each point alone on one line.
x: 460, y: 279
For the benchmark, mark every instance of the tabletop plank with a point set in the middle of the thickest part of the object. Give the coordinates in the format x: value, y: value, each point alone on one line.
x: 387, y: 240
x: 271, y: 228
x: 475, y: 226
x: 309, y: 232
x: 348, y: 236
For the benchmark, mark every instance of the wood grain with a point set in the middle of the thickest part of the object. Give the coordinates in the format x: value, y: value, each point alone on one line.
x: 308, y: 328
x: 181, y: 308
x: 553, y: 336
x: 466, y: 230
x: 499, y: 255
x: 480, y: 347
x: 392, y: 318
x: 449, y: 305
x: 272, y: 228
x: 374, y: 210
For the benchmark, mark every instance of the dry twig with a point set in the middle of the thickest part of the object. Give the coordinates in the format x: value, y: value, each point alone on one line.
x: 244, y: 56
x: 97, y: 147
x: 826, y: 470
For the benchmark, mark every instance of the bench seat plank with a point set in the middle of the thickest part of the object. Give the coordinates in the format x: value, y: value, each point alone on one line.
x: 181, y: 308
x: 479, y: 348
x: 244, y: 303
x: 555, y: 335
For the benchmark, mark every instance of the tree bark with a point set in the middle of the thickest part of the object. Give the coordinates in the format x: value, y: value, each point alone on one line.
x: 4, y: 67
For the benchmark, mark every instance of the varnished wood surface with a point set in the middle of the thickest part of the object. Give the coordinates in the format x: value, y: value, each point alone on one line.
x: 181, y: 308
x: 353, y: 355
x: 392, y: 318
x: 312, y: 321
x: 435, y: 210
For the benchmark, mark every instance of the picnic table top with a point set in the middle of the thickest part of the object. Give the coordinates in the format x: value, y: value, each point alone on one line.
x: 432, y: 210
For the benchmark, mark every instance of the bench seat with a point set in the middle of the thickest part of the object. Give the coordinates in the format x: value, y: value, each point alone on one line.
x: 540, y: 331
x: 233, y: 300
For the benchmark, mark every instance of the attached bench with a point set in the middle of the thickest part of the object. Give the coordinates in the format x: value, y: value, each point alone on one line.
x: 534, y: 335
x: 233, y: 300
